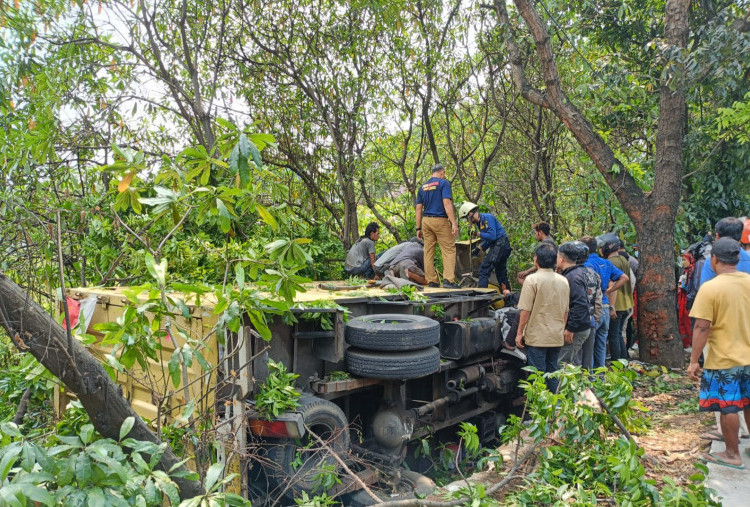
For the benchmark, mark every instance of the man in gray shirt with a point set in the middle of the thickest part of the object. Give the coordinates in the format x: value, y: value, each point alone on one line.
x: 360, y: 261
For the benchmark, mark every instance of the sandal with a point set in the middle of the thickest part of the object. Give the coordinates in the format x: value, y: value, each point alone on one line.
x: 714, y: 436
x: 712, y: 458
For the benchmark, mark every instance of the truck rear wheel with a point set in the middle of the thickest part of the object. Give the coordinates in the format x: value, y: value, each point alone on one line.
x: 393, y: 365
x: 392, y: 332
x: 296, y: 465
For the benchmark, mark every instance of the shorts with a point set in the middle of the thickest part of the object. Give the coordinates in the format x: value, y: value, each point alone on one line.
x: 725, y: 391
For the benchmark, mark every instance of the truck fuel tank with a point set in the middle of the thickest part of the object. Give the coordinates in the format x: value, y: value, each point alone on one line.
x: 465, y: 338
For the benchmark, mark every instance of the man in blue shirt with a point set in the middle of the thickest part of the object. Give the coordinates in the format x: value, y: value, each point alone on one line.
x: 436, y: 224
x: 494, y: 242
x: 728, y: 227
x: 612, y: 279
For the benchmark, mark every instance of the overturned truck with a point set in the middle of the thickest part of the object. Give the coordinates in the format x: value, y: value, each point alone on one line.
x: 377, y: 373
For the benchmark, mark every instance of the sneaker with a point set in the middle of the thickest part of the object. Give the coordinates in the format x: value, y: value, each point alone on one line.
x: 450, y: 285
x: 515, y: 353
x: 433, y: 284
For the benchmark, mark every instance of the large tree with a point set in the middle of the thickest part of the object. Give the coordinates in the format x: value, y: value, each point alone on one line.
x: 652, y: 211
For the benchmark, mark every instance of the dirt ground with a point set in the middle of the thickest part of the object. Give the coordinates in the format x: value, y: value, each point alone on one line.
x: 673, y: 442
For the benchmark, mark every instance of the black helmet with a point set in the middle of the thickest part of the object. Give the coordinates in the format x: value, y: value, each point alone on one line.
x: 583, y: 251
x: 608, y: 243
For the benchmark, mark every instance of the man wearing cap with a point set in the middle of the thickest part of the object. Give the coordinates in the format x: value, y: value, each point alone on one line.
x: 722, y: 319
x: 436, y: 224
x: 729, y: 227
x: 580, y: 313
x: 494, y: 243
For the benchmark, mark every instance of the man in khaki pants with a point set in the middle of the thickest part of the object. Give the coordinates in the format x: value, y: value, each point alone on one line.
x: 436, y: 224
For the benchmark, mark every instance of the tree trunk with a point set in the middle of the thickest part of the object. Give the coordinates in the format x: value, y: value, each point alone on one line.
x: 657, y: 293
x: 351, y: 227
x: 34, y: 331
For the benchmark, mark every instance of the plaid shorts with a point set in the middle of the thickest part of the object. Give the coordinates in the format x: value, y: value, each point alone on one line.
x: 726, y: 391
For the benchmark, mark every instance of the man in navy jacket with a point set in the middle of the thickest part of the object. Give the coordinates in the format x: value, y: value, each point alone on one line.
x: 495, y: 244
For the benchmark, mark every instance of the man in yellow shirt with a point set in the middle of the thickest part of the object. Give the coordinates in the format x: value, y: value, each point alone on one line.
x: 722, y: 319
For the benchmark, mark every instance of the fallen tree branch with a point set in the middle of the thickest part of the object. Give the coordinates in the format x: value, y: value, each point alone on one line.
x: 416, y: 502
x: 343, y: 465
x: 33, y: 330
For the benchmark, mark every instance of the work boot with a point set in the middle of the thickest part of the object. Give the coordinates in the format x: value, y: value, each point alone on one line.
x: 450, y: 285
x: 433, y: 284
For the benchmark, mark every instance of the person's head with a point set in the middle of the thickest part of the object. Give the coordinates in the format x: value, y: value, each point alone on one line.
x: 438, y: 171
x: 687, y: 259
x: 469, y: 211
x: 545, y: 255
x: 372, y: 231
x: 567, y: 255
x: 725, y: 254
x: 609, y: 247
x: 635, y: 250
x: 590, y: 243
x: 541, y: 231
x: 729, y: 227
x: 582, y: 250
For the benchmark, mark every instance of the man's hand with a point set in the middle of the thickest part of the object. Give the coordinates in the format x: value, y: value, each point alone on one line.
x: 568, y: 335
x: 519, y: 341
x: 612, y: 313
x: 419, y: 234
x: 454, y: 228
x: 694, y: 371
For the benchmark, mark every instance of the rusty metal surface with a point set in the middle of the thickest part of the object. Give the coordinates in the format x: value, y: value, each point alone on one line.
x: 336, y: 386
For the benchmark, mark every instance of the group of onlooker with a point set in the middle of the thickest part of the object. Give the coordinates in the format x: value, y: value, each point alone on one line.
x: 574, y: 302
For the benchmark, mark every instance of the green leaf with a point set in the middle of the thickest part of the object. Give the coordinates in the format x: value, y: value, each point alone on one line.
x: 86, y: 433
x: 213, y: 474
x: 158, y: 271
x: 96, y: 498
x: 9, y: 459
x: 127, y: 425
x: 10, y: 429
x: 266, y: 216
x: 174, y: 367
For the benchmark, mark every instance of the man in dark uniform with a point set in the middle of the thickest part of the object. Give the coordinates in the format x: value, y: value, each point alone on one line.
x: 436, y: 223
x: 495, y: 243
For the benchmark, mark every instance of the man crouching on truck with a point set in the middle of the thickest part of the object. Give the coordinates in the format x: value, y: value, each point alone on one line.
x: 544, y: 311
x: 360, y: 261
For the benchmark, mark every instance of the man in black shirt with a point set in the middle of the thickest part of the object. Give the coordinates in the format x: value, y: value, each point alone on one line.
x: 578, y: 326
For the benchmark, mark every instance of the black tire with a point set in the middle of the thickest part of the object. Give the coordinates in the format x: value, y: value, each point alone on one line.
x: 392, y: 332
x: 393, y: 365
x: 410, y: 483
x: 326, y: 420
